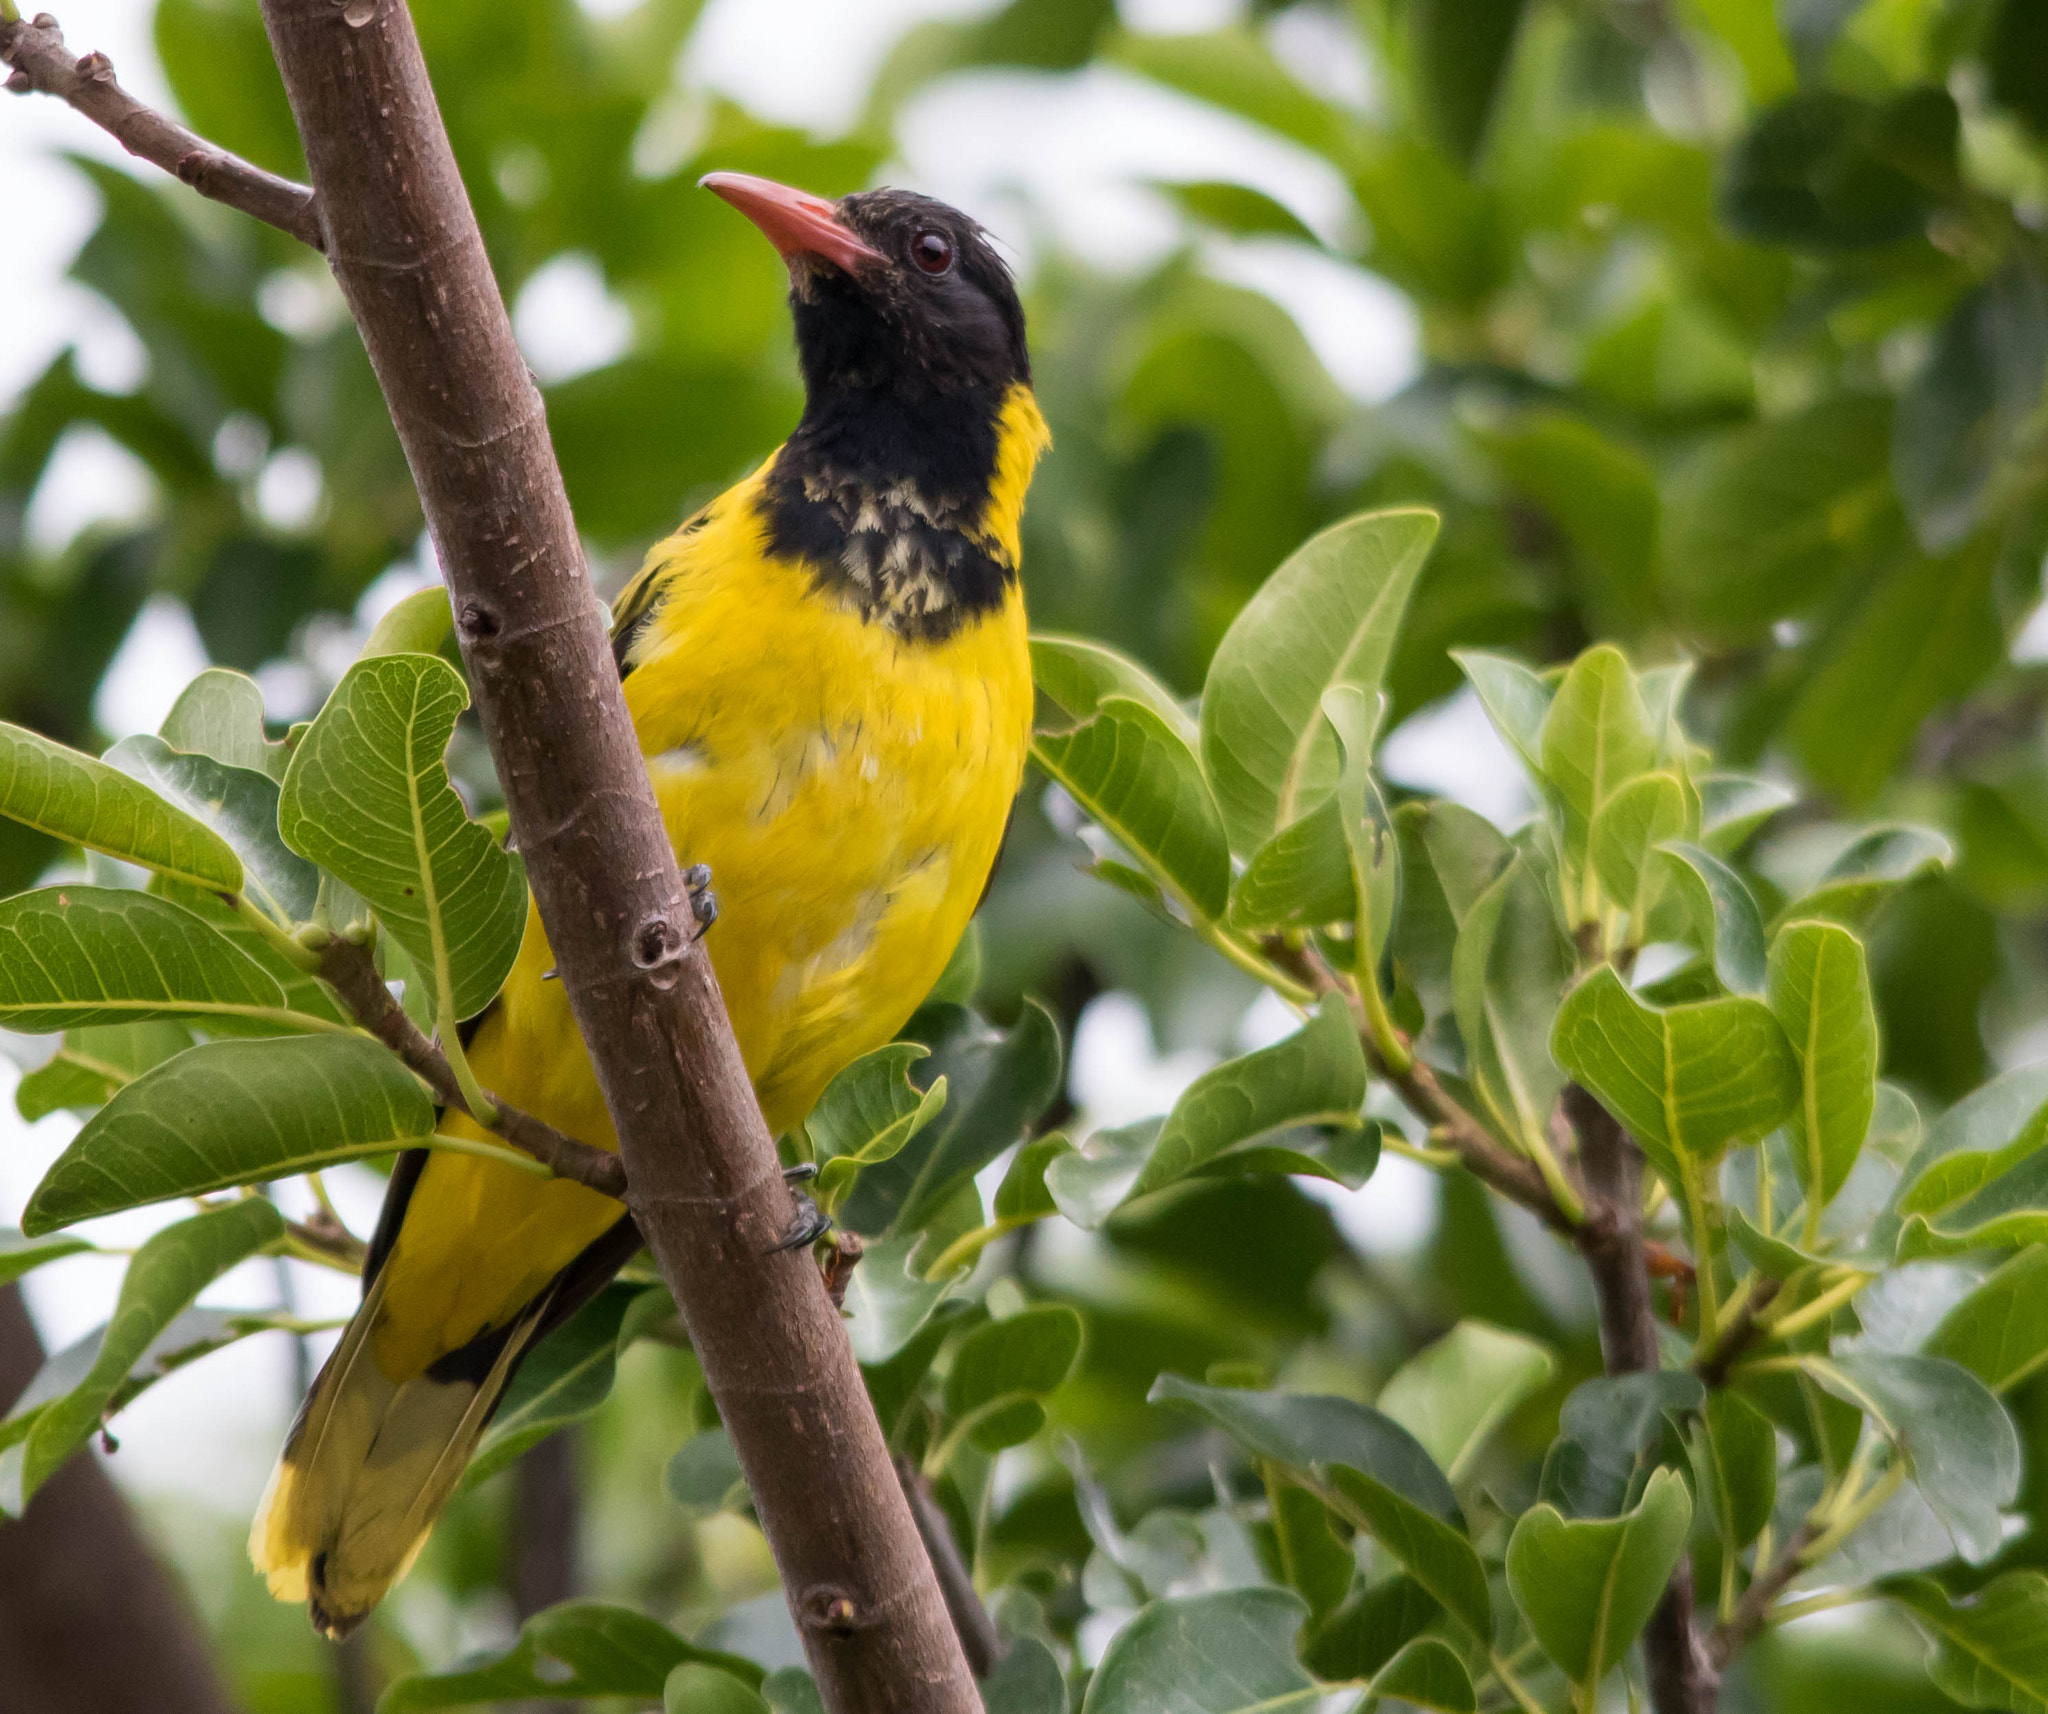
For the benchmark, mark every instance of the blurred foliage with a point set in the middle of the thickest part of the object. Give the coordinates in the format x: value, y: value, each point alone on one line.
x: 1734, y: 320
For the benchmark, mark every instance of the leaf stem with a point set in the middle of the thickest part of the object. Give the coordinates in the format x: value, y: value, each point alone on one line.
x: 279, y: 940
x: 1695, y: 1179
x: 481, y: 1107
x: 1513, y: 1685
x: 1798, y: 1320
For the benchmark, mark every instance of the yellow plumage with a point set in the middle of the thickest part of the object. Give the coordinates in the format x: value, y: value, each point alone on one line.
x: 848, y: 785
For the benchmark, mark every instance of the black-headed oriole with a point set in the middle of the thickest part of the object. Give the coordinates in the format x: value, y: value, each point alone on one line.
x: 828, y: 673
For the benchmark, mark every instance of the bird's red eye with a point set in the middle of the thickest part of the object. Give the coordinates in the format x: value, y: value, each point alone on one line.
x: 932, y: 251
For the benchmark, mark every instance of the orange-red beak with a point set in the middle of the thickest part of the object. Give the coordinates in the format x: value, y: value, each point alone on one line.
x: 796, y: 222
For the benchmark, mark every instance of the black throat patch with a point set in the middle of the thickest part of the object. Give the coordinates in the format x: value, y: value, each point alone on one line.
x: 882, y: 500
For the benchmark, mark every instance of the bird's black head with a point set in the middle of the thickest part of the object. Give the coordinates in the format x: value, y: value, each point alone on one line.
x: 895, y: 294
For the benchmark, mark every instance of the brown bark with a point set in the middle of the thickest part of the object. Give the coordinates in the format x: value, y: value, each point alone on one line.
x: 90, y: 1619
x: 704, y: 1181
x: 1682, y: 1678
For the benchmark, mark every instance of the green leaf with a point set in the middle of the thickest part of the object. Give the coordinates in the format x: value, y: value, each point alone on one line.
x: 1870, y: 871
x: 1734, y: 806
x: 887, y: 1301
x: 1461, y: 50
x: 705, y: 1478
x: 367, y: 797
x: 1453, y: 1394
x: 1375, y: 854
x: 1609, y: 1435
x: 1990, y: 1650
x: 95, y: 1062
x: 1516, y: 700
x: 1001, y: 1364
x: 1596, y: 738
x: 1959, y: 1445
x: 1725, y: 919
x: 790, y: 1690
x: 1980, y: 1178
x: 417, y: 625
x: 1327, y: 617
x: 1371, y: 1628
x: 1314, y: 1077
x: 1366, y: 1467
x: 74, y: 798
x: 580, y: 1648
x: 564, y: 1378
x: 1819, y: 988
x: 1449, y: 857
x: 1626, y: 830
x: 229, y: 1113
x: 1300, y: 878
x: 1510, y: 965
x: 168, y: 1272
x: 1687, y: 1080
x: 1023, y: 1194
x: 694, y: 1688
x: 1231, y: 1652
x: 1236, y: 209
x: 1742, y: 1446
x: 220, y: 714
x: 18, y: 1255
x: 1587, y: 1586
x: 1077, y: 674
x: 1314, y: 1561
x: 1130, y: 771
x: 71, y: 957
x: 240, y: 805
x: 1830, y: 171
x: 1426, y: 1674
x: 867, y: 1113
x: 1027, y: 1680
x: 2000, y: 1331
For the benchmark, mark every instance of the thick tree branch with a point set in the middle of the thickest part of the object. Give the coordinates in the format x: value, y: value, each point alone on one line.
x: 43, y: 65
x: 1683, y: 1680
x: 351, y: 972
x: 704, y: 1183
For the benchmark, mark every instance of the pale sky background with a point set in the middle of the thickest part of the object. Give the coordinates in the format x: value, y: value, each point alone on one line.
x: 1018, y: 151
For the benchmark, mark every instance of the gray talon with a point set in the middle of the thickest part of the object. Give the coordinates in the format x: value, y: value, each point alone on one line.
x: 806, y: 1229
x: 703, y: 901
x: 802, y: 1173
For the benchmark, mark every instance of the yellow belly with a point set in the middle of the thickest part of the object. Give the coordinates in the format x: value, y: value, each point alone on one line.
x: 848, y: 789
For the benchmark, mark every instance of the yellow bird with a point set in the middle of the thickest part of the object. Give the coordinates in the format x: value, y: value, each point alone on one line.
x: 828, y: 673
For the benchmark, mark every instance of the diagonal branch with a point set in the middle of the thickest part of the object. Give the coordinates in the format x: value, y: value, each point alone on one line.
x: 349, y: 969
x: 43, y: 65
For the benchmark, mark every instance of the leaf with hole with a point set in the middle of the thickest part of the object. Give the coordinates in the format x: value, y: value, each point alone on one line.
x: 367, y: 796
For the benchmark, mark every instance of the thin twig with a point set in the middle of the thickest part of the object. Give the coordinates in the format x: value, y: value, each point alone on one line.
x: 1741, y: 1330
x: 1683, y: 1677
x: 1734, y: 1633
x: 1515, y: 1177
x: 979, y: 1638
x: 43, y: 65
x: 352, y: 973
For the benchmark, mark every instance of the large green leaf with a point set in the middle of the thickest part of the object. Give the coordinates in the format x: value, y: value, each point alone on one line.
x: 220, y: 714
x: 1874, y: 867
x: 867, y: 1113
x: 1610, y: 1434
x: 85, y: 802
x: 1991, y: 1649
x: 1231, y: 1652
x: 887, y: 1300
x: 1461, y: 60
x: 1453, y: 1394
x: 1980, y: 1178
x: 1686, y: 1080
x: 1959, y: 1445
x: 367, y: 796
x: 1999, y: 1332
x: 694, y: 1688
x: 1426, y: 1673
x: 1327, y: 617
x: 1741, y: 1446
x: 1130, y: 771
x: 1027, y: 1680
x: 1819, y: 987
x: 1366, y: 1467
x: 18, y: 1254
x: 580, y: 1648
x: 168, y: 1272
x: 1626, y: 831
x: 234, y: 1112
x: 1003, y: 1368
x: 1587, y: 1586
x: 71, y: 957
x: 1725, y: 919
x: 1516, y: 700
x: 1315, y: 1077
x: 240, y: 805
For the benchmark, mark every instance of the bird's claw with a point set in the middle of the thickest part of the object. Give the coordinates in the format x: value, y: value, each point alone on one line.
x: 703, y: 901
x: 811, y: 1224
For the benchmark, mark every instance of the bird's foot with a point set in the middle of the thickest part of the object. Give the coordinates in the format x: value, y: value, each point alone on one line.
x: 703, y: 901
x: 811, y: 1222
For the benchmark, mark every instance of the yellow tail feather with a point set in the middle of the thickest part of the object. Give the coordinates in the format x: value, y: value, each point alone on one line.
x: 366, y: 1471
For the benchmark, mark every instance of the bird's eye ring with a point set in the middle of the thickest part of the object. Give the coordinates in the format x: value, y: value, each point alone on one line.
x: 932, y: 251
